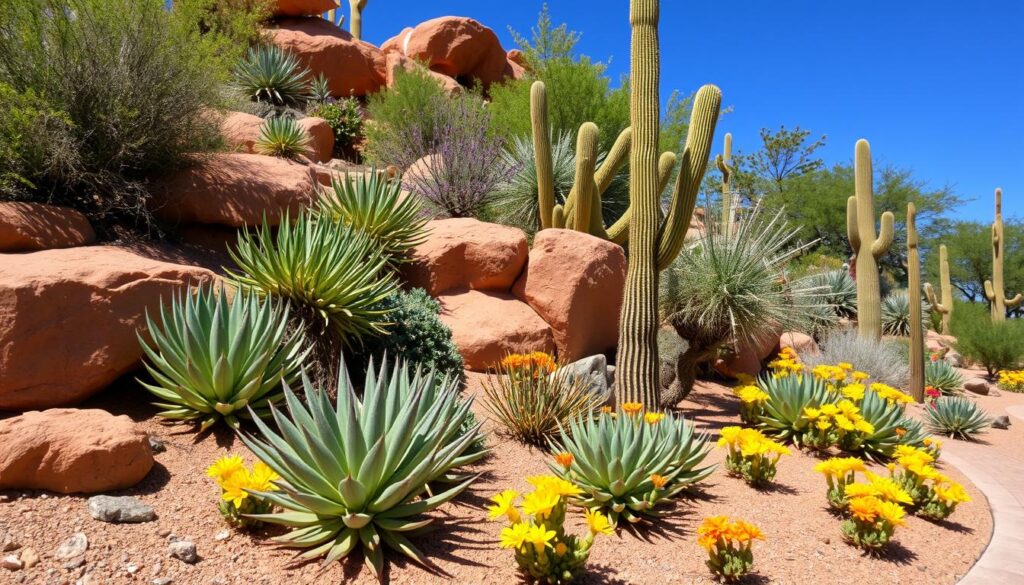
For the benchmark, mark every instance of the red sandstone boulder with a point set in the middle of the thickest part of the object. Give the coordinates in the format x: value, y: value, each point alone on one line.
x: 801, y: 343
x: 937, y: 342
x: 321, y: 138
x: 68, y: 320
x: 70, y: 451
x: 466, y: 253
x: 352, y: 67
x: 302, y: 7
x: 241, y: 131
x: 487, y: 326
x: 748, y: 357
x: 458, y: 47
x: 395, y: 62
x: 574, y: 281
x: 235, y: 190
x: 34, y: 226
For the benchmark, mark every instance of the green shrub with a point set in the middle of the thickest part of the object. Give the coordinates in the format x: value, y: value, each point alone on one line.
x: 233, y: 25
x: 414, y: 96
x: 34, y: 141
x: 272, y: 75
x: 942, y: 376
x: 345, y: 118
x: 996, y: 346
x: 957, y: 417
x: 283, y: 137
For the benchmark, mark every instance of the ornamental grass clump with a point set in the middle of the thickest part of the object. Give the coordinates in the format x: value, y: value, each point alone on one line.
x: 752, y: 456
x: 214, y: 359
x: 237, y: 484
x: 956, y: 417
x: 355, y: 474
x: 528, y: 397
x: 629, y: 462
x: 728, y: 544
x: 544, y: 552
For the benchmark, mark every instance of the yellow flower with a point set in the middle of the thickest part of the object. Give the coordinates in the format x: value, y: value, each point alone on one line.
x: 811, y: 413
x: 865, y: 508
x: 234, y: 488
x: 659, y: 481
x: 829, y: 409
x: 952, y: 494
x: 653, y: 418
x: 751, y: 394
x: 598, y: 522
x: 843, y: 422
x: 261, y: 477
x: 539, y: 536
x: 632, y: 407
x: 744, y: 532
x: 860, y: 490
x: 606, y: 410
x: 845, y: 366
x: 864, y: 426
x: 888, y: 490
x: 564, y: 459
x: 504, y: 505
x: 823, y: 424
x: 711, y: 529
x: 555, y: 485
x: 854, y: 391
x: 892, y: 512
x: 514, y: 536
x: 540, y: 503
x: 225, y: 467
x: 860, y: 376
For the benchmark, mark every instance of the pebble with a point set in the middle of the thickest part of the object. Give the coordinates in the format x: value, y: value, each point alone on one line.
x: 223, y: 535
x: 164, y: 532
x: 11, y: 563
x: 74, y: 546
x: 184, y: 550
x: 29, y: 557
x: 156, y: 445
x: 162, y: 581
x: 132, y: 568
x: 1001, y: 422
x: 72, y: 565
x: 120, y: 509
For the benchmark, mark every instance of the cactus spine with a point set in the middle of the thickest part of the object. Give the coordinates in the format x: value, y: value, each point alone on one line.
x: 994, y: 290
x: 722, y: 162
x: 914, y: 292
x: 944, y: 304
x: 356, y: 28
x: 860, y: 227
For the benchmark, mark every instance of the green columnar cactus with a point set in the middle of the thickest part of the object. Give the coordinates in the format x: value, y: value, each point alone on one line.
x: 542, y: 153
x: 914, y: 292
x: 722, y: 162
x: 944, y: 304
x: 357, y: 17
x: 994, y: 291
x: 860, y: 227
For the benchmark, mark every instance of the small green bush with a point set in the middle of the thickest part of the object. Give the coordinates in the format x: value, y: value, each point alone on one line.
x: 414, y: 96
x: 345, y: 118
x: 996, y: 346
x: 34, y: 140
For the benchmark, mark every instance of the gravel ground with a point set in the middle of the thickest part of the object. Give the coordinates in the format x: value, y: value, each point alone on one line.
x: 803, y: 543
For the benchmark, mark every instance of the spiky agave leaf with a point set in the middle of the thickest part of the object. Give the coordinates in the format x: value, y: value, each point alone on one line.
x: 271, y: 74
x: 896, y: 313
x: 957, y: 417
x: 212, y: 358
x: 788, y: 396
x: 320, y: 89
x: 376, y: 206
x: 942, y: 376
x: 355, y: 473
x: 283, y: 137
x: 617, y: 458
x: 329, y: 268
x: 838, y: 290
x: 889, y: 422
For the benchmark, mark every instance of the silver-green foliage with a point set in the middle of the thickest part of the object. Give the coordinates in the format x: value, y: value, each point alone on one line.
x: 214, y: 359
x: 788, y: 396
x: 957, y: 417
x: 356, y: 473
x: 896, y: 313
x: 283, y: 137
x: 891, y: 427
x: 942, y: 376
x: 320, y: 89
x: 271, y: 74
x: 883, y: 360
x: 838, y: 291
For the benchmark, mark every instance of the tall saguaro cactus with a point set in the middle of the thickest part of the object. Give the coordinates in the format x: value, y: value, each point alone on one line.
x: 868, y: 248
x: 356, y: 28
x: 914, y: 292
x: 722, y: 162
x: 943, y: 304
x: 994, y: 290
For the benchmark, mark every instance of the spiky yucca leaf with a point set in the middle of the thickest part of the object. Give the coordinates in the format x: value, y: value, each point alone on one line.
x: 320, y: 89
x: 838, y: 291
x: 355, y: 473
x: 617, y: 460
x: 283, y: 137
x: 271, y: 74
x: 376, y: 206
x: 788, y: 396
x: 956, y: 417
x: 896, y: 313
x: 942, y: 376
x: 327, y: 268
x: 214, y: 359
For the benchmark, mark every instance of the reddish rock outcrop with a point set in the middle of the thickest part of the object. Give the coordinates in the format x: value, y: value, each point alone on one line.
x: 34, y: 226
x: 395, y: 62
x: 574, y: 281
x: 936, y: 342
x: 352, y: 67
x: 321, y: 138
x: 68, y: 320
x: 465, y: 253
x: 802, y: 343
x: 749, y: 356
x: 241, y: 131
x: 487, y: 326
x: 235, y: 190
x: 302, y: 7
x: 71, y: 451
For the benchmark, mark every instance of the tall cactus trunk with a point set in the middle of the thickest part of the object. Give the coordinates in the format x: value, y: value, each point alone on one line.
x: 860, y: 227
x: 356, y: 27
x: 727, y: 203
x: 946, y: 288
x: 914, y: 292
x: 637, y: 368
x: 994, y: 289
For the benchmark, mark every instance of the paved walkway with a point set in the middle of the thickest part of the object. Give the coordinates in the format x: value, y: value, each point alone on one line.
x: 1002, y: 482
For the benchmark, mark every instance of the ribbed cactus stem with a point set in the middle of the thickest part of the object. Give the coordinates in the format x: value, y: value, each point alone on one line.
x: 542, y: 152
x: 636, y: 373
x: 619, y: 231
x: 943, y: 304
x: 582, y: 193
x: 914, y: 292
x: 994, y: 289
x: 867, y: 246
x: 356, y: 27
x: 722, y: 162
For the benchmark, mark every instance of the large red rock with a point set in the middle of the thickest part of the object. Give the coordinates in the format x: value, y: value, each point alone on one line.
x: 241, y: 131
x: 487, y: 326
x: 801, y: 343
x: 466, y: 253
x: 302, y: 7
x: 352, y: 67
x: 321, y: 138
x: 68, y: 319
x: 235, y: 190
x: 458, y: 47
x: 70, y: 451
x: 574, y: 281
x: 749, y: 356
x: 34, y: 226
x: 395, y: 62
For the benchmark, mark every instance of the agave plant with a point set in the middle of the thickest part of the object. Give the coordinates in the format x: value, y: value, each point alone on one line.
x: 957, y: 417
x: 942, y: 376
x: 896, y: 313
x: 320, y: 89
x: 375, y: 205
x: 283, y: 137
x: 272, y: 75
x: 356, y: 473
x: 788, y: 396
x: 629, y: 463
x: 838, y: 291
x: 331, y: 272
x: 890, y: 426
x: 213, y: 360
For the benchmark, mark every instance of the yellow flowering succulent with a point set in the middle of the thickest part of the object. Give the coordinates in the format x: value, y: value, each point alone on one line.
x: 933, y: 494
x: 872, y: 521
x: 1011, y: 380
x: 752, y: 455
x: 728, y: 544
x: 891, y: 395
x: 238, y: 484
x: 840, y: 474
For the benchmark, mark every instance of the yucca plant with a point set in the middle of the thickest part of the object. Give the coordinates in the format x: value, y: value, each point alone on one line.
x: 628, y: 462
x: 838, y: 291
x: 376, y: 206
x: 896, y: 313
x: 957, y: 417
x: 272, y: 75
x: 283, y: 137
x: 357, y: 473
x: 320, y: 89
x: 942, y: 376
x: 214, y: 359
x: 788, y: 396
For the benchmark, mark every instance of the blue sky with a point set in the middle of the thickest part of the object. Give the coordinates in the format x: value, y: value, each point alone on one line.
x: 937, y: 87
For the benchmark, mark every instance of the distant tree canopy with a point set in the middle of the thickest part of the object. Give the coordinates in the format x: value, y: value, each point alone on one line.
x: 969, y: 245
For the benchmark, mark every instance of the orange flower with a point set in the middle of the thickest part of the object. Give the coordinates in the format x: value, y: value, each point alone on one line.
x: 632, y: 407
x: 606, y: 410
x: 659, y: 481
x: 564, y: 459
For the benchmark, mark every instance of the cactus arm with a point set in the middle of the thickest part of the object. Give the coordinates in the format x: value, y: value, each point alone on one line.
x: 617, y: 157
x: 542, y: 152
x: 885, y: 236
x: 694, y: 162
x: 934, y: 301
x: 619, y: 231
x: 578, y: 203
x: 356, y: 28
x: 989, y: 293
x: 558, y: 217
x: 851, y: 224
x: 1012, y: 303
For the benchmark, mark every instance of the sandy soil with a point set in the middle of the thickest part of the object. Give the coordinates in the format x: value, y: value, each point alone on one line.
x: 803, y: 539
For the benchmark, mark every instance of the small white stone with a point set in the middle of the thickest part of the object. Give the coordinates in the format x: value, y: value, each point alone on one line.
x: 223, y: 535
x: 11, y: 563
